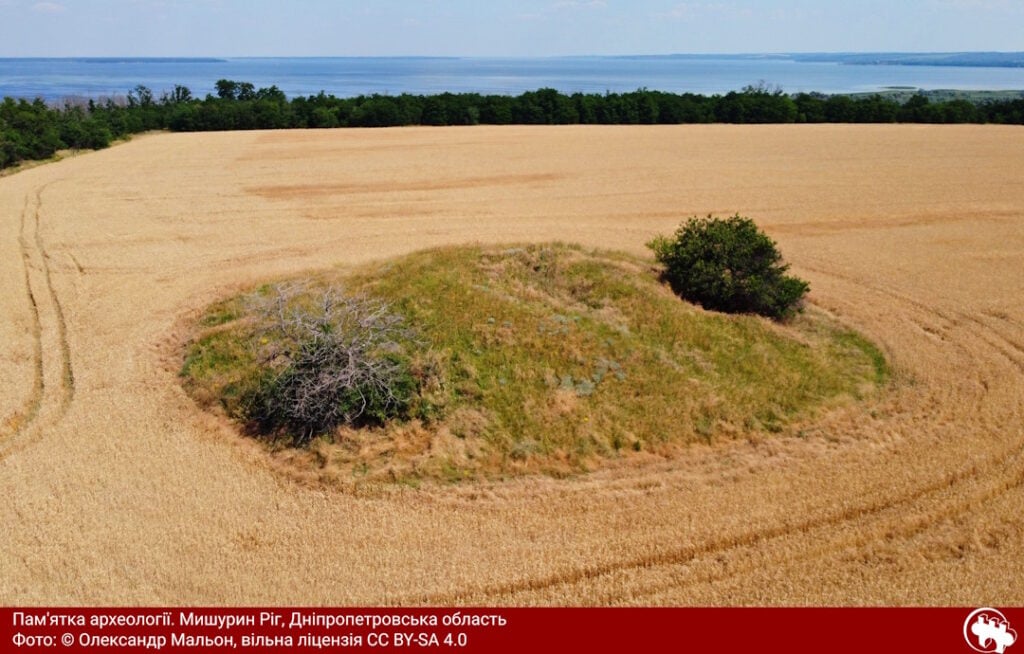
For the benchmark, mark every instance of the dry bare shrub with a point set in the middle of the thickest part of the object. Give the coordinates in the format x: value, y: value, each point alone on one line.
x: 328, y: 360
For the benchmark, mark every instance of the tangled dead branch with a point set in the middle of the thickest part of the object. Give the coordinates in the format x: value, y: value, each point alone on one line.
x: 329, y: 360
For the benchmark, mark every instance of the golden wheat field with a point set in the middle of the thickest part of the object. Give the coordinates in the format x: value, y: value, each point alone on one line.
x: 119, y: 490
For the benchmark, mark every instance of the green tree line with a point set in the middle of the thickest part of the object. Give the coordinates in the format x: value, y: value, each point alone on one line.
x: 31, y: 130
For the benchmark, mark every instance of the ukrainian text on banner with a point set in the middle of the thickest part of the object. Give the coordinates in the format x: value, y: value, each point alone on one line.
x: 256, y: 630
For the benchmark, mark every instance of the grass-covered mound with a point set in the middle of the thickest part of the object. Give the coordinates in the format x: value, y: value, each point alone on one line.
x: 545, y: 358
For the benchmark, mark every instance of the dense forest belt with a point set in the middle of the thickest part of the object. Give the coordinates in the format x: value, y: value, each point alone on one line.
x: 121, y: 490
x: 35, y: 130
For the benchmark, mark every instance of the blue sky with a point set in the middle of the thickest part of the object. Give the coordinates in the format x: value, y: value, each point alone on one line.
x: 42, y: 28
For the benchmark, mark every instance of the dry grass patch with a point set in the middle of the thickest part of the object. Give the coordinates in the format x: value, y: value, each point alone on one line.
x: 544, y: 358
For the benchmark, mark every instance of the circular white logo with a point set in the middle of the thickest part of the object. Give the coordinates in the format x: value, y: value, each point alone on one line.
x: 988, y: 631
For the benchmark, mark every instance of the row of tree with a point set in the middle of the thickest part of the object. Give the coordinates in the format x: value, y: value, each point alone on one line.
x: 35, y: 130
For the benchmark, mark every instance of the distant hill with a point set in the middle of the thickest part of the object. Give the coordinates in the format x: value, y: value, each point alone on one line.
x: 972, y: 59
x: 904, y: 94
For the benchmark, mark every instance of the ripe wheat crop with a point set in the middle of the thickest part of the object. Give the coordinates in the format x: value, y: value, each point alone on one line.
x: 120, y: 490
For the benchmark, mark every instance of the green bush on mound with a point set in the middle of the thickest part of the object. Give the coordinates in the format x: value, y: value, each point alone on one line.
x: 729, y: 265
x: 542, y: 358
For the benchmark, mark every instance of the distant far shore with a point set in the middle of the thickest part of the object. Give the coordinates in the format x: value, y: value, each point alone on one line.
x: 55, y: 79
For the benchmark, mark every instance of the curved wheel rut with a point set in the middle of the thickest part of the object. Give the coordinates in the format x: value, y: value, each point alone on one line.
x: 945, y: 497
x: 53, y: 384
x: 125, y: 493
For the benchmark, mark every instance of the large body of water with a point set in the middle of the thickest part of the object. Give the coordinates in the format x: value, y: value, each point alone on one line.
x: 56, y: 79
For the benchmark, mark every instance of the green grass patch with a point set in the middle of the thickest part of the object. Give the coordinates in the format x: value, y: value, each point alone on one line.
x: 552, y: 358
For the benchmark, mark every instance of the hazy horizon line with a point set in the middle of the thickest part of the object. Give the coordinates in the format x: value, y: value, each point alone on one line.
x: 779, y: 53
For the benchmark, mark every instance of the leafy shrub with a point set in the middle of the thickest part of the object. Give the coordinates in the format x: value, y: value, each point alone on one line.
x: 729, y: 265
x: 328, y: 360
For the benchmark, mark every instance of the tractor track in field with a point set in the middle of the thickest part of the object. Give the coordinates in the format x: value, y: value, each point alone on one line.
x: 124, y: 492
x: 940, y: 499
x: 53, y: 383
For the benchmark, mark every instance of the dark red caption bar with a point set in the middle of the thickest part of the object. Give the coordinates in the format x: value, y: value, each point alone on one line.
x: 530, y: 631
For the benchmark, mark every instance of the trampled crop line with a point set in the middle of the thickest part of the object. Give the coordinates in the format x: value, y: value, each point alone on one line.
x: 757, y: 537
x: 31, y: 407
x: 43, y: 305
x: 78, y: 266
x: 898, y: 526
x: 1007, y: 348
x: 68, y: 377
x: 986, y: 480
